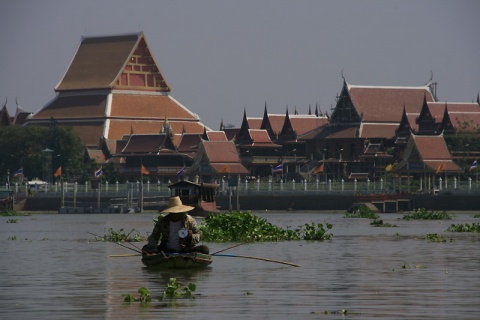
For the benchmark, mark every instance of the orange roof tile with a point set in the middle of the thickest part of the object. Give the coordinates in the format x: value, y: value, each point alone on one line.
x: 221, y: 151
x: 378, y: 130
x: 100, y: 61
x: 147, y: 105
x: 385, y: 104
x: 254, y: 123
x: 304, y: 123
x: 261, y: 138
x: 69, y: 107
x: 147, y: 143
x: 432, y: 147
x: 276, y: 121
x: 97, y: 62
x: 216, y: 136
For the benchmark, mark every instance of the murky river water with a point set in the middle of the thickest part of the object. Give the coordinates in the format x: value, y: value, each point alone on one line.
x: 53, y: 270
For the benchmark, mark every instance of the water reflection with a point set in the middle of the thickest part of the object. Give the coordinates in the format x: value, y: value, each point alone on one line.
x: 53, y: 270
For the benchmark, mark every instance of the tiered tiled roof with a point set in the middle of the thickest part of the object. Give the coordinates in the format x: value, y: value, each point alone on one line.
x: 219, y: 156
x: 114, y: 85
x: 432, y: 151
x: 386, y: 104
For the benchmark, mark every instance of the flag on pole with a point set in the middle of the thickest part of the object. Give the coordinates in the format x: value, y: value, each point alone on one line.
x: 99, y: 172
x: 473, y: 166
x: 441, y: 167
x: 320, y: 169
x: 58, y: 172
x: 144, y: 170
x: 19, y: 172
x: 278, y: 168
x: 181, y: 171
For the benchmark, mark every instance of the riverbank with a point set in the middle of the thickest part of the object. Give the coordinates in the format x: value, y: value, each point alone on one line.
x: 289, y: 202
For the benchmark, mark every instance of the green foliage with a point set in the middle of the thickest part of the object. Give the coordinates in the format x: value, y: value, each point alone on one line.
x: 434, y: 237
x: 12, y: 220
x: 22, y: 146
x: 379, y: 223
x: 361, y: 212
x: 465, y: 227
x: 144, y: 296
x: 476, y: 215
x: 12, y: 238
x: 120, y: 236
x: 170, y: 293
x: 10, y: 213
x: 245, y: 226
x: 424, y: 214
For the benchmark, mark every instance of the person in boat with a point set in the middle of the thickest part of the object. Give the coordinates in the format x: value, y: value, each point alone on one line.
x: 176, y: 230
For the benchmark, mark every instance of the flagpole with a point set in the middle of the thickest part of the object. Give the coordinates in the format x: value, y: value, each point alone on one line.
x: 140, y: 200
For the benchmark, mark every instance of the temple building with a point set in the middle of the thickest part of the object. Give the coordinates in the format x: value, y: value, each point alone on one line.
x: 113, y: 87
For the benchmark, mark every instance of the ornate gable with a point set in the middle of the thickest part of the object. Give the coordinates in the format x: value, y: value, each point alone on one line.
x: 425, y: 121
x: 287, y: 133
x: 345, y: 111
x: 141, y: 71
x: 244, y: 135
x: 266, y: 125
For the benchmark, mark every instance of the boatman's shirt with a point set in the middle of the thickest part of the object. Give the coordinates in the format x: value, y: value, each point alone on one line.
x: 174, y: 243
x: 162, y: 231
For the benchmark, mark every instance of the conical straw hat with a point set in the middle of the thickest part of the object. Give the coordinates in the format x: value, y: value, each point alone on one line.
x: 175, y: 205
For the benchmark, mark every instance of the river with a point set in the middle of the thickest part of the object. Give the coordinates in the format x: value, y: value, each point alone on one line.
x: 51, y: 268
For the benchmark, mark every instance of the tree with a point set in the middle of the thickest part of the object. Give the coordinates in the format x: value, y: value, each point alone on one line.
x: 22, y: 147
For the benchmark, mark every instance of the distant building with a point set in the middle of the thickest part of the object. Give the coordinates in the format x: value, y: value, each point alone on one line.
x: 113, y: 87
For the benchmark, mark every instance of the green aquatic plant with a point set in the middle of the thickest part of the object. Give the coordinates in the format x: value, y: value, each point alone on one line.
x: 361, y: 212
x: 379, y: 223
x: 12, y: 221
x: 464, y: 227
x: 316, y: 232
x: 144, y: 296
x: 245, y: 227
x: 476, y: 215
x: 170, y: 293
x: 12, y: 238
x: 10, y: 213
x: 424, y: 214
x: 434, y: 237
x: 120, y: 236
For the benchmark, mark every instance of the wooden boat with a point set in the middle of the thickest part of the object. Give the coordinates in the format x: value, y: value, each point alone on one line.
x: 191, y: 260
x: 198, y: 195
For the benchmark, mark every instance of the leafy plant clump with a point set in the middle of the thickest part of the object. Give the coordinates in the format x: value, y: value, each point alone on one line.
x: 12, y: 220
x: 361, y: 212
x: 120, y: 236
x: 476, y: 215
x: 245, y: 226
x: 434, y: 237
x: 170, y: 293
x: 424, y: 214
x: 10, y: 213
x: 464, y: 227
x: 379, y: 223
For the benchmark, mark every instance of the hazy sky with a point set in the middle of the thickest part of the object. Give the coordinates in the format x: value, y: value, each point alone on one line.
x: 221, y: 57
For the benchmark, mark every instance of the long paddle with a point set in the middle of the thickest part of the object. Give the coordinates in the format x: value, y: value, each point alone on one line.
x: 256, y: 258
x: 230, y: 247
